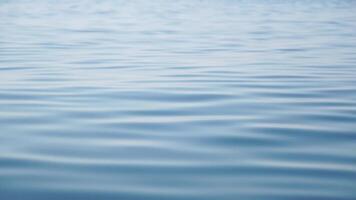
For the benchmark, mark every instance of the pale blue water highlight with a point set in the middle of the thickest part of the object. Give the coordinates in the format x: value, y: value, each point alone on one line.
x: 175, y: 100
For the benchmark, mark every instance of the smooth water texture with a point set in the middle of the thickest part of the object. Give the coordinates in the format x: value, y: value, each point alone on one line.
x: 153, y: 100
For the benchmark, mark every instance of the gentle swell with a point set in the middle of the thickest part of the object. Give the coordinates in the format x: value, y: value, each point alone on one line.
x: 177, y: 100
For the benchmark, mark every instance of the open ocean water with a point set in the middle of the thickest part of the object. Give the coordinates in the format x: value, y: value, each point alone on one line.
x: 178, y: 100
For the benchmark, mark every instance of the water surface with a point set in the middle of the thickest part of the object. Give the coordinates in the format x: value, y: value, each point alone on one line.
x: 177, y: 100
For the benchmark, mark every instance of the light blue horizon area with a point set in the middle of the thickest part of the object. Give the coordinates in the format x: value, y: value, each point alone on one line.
x: 178, y: 100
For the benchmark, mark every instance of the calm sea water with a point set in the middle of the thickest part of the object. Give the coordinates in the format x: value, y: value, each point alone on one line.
x: 213, y: 100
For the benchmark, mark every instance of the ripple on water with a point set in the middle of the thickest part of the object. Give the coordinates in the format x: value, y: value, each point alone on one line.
x: 177, y: 100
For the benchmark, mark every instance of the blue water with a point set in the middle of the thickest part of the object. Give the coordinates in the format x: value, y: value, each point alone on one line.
x: 153, y: 100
